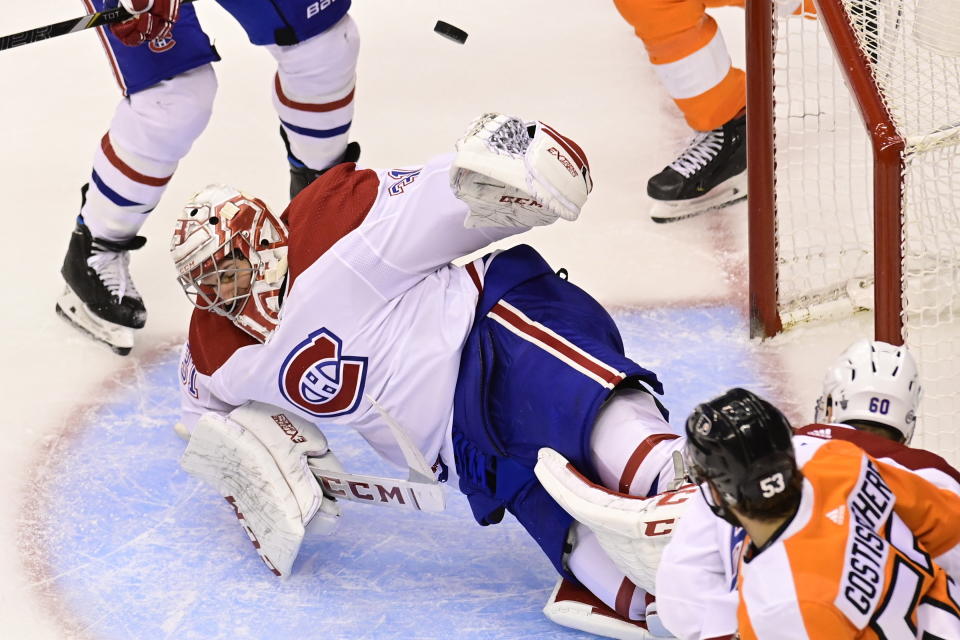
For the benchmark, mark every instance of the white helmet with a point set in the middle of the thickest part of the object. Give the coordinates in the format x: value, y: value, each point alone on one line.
x: 219, y: 224
x: 872, y: 381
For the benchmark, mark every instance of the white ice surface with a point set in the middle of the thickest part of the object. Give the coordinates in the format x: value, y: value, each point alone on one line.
x: 576, y: 65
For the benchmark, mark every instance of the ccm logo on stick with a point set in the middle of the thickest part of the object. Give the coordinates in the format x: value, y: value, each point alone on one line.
x: 362, y: 490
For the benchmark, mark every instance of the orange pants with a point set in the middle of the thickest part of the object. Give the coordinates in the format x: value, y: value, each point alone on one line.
x: 690, y: 56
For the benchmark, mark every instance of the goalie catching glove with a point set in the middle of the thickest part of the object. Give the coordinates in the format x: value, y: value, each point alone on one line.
x: 256, y: 457
x: 633, y: 531
x: 516, y: 174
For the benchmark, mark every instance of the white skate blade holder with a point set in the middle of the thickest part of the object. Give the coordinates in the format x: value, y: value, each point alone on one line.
x: 72, y: 309
x: 725, y: 194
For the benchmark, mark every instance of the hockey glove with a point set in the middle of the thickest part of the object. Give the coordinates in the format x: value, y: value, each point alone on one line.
x: 517, y: 174
x: 152, y: 19
x: 256, y: 457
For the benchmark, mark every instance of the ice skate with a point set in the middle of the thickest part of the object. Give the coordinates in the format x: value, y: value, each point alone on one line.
x: 100, y: 298
x: 709, y: 174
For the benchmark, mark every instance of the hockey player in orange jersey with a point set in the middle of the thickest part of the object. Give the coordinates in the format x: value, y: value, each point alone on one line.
x: 870, y: 397
x: 840, y: 545
x: 690, y: 57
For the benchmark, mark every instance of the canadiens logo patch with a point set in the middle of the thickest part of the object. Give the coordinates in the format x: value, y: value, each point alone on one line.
x: 159, y: 45
x: 316, y: 378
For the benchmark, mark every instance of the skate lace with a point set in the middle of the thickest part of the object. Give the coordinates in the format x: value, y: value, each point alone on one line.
x: 704, y: 148
x: 113, y: 269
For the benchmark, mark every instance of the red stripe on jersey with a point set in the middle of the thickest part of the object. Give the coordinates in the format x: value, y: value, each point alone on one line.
x: 106, y: 47
x: 560, y: 347
x: 310, y: 106
x: 126, y: 169
x: 572, y: 469
x: 637, y: 457
x: 568, y: 145
x: 625, y: 597
x: 475, y: 276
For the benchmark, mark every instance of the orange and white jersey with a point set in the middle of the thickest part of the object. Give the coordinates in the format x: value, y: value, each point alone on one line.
x: 697, y: 576
x: 855, y: 561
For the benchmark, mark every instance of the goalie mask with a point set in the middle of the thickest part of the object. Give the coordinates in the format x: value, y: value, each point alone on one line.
x: 231, y: 257
x: 874, y: 382
x: 742, y: 445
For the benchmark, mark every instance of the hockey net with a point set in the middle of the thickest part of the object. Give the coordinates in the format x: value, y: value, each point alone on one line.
x: 854, y: 169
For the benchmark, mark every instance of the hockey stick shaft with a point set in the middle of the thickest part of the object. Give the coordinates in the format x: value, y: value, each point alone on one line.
x: 420, y: 471
x: 89, y: 21
x: 420, y: 491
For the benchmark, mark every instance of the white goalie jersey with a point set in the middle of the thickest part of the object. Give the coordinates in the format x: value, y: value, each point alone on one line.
x: 373, y: 309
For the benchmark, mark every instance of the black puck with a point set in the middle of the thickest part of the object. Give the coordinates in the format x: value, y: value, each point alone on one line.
x: 451, y: 32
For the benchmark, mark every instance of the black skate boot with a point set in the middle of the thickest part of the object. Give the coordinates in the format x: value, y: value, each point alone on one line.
x: 100, y: 298
x: 302, y: 175
x: 709, y: 174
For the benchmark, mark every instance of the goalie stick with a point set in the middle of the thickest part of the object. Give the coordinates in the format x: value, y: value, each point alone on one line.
x: 89, y: 21
x: 420, y: 491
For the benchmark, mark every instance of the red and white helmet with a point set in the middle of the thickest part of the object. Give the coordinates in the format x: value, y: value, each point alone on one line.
x: 872, y: 381
x: 219, y: 225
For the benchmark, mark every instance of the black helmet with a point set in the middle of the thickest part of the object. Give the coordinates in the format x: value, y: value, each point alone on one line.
x: 740, y: 443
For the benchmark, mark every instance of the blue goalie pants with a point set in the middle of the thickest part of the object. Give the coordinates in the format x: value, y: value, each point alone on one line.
x: 540, y: 361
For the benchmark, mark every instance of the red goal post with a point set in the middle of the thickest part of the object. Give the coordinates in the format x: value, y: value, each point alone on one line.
x: 853, y: 135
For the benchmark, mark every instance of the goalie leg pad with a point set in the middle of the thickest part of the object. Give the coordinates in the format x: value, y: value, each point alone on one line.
x: 571, y: 605
x: 257, y: 459
x: 632, y: 531
x: 516, y: 174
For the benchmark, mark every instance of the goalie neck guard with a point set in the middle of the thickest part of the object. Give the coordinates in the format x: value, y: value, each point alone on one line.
x: 223, y: 240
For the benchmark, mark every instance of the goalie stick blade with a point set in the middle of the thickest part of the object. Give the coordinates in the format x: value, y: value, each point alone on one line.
x: 722, y: 196
x: 75, y: 312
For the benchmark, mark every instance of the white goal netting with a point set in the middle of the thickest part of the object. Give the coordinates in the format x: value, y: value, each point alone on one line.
x: 825, y: 183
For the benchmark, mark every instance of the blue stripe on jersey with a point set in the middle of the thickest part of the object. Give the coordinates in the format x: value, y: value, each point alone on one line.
x: 317, y: 133
x: 112, y: 195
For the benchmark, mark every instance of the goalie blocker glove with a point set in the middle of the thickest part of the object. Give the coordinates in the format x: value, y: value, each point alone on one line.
x: 256, y: 458
x: 516, y: 174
